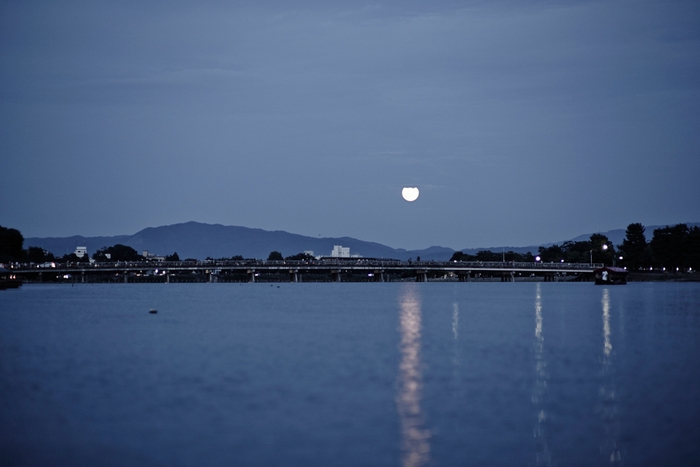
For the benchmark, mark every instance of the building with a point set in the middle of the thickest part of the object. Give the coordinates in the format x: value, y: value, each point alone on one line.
x: 152, y: 257
x: 340, y: 251
x: 80, y: 251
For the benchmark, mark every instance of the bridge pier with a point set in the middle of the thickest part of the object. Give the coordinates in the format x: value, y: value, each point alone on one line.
x: 508, y: 276
x: 251, y: 275
x: 379, y: 275
x: 335, y: 275
x: 465, y: 277
x: 167, y: 277
x: 294, y: 276
x: 126, y: 277
x: 421, y: 276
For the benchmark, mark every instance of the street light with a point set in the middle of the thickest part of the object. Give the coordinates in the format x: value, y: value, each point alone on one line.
x: 605, y: 248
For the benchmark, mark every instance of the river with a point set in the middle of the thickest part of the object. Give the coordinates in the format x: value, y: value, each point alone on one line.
x: 350, y: 374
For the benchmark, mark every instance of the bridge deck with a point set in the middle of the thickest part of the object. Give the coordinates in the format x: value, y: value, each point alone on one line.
x: 359, y: 266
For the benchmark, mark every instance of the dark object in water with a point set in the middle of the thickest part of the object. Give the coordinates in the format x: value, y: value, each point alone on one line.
x: 153, y: 311
x: 610, y: 276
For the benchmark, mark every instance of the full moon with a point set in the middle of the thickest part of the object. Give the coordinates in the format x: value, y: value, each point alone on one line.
x: 410, y: 193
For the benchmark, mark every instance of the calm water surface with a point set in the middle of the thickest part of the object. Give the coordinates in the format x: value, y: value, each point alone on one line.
x: 393, y: 374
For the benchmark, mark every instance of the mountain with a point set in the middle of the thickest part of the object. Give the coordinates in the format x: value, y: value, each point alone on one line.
x: 197, y: 240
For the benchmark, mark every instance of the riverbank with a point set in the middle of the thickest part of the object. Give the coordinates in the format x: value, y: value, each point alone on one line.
x: 663, y: 277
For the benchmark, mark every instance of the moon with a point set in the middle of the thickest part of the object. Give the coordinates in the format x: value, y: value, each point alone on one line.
x: 410, y: 194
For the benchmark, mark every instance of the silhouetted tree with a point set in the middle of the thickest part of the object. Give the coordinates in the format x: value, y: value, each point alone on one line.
x: 11, y: 242
x: 275, y: 256
x: 36, y: 254
x: 173, y: 257
x: 580, y: 252
x: 117, y: 252
x: 300, y: 257
x: 527, y: 258
x: 577, y: 252
x: 551, y: 254
x: 486, y: 255
x: 634, y: 248
x: 693, y: 248
x: 668, y: 247
x: 459, y: 256
x: 603, y: 249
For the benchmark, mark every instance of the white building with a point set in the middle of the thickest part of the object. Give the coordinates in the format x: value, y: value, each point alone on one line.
x: 340, y: 252
x: 153, y: 257
x: 80, y: 251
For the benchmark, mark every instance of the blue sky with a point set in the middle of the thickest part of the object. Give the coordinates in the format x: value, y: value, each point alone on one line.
x: 519, y: 124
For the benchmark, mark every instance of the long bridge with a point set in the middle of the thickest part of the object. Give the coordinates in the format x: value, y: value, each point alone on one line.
x: 323, y: 270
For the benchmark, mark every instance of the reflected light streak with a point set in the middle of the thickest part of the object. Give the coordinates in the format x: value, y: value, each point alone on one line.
x: 608, y: 406
x: 455, y: 343
x: 415, y: 437
x: 455, y: 320
x: 543, y: 456
x: 607, y: 346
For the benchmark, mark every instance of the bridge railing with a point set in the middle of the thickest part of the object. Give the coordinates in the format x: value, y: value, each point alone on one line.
x: 312, y: 264
x: 524, y: 265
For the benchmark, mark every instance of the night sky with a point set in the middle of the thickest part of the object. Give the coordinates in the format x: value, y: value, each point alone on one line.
x: 519, y: 124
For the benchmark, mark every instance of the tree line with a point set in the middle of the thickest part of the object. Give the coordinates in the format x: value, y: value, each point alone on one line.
x: 11, y: 250
x: 671, y: 248
x: 12, y: 241
x: 121, y: 252
x: 492, y: 256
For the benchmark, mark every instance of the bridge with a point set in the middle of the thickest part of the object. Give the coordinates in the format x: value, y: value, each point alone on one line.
x: 323, y: 270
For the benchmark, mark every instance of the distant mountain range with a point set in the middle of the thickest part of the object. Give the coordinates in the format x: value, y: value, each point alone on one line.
x: 198, y: 240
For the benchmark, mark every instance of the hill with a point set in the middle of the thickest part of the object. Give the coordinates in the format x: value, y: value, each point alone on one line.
x: 197, y: 240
